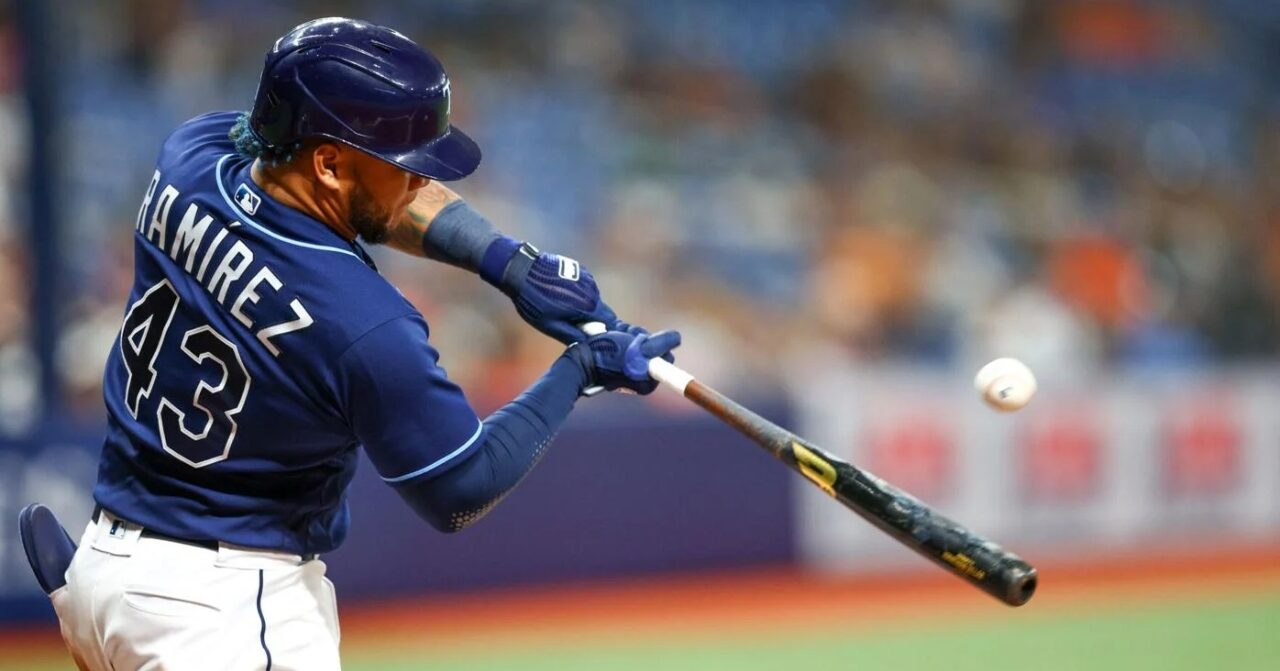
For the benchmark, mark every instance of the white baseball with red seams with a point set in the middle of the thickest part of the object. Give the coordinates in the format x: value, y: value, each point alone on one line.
x: 1005, y: 384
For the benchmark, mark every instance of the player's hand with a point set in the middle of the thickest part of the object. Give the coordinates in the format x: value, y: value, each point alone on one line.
x: 555, y: 294
x: 620, y: 359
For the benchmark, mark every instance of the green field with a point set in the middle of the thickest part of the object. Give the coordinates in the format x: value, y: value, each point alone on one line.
x: 1239, y: 634
x: 1235, y: 633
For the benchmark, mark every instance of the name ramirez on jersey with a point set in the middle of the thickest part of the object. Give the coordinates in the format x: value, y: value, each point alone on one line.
x: 196, y: 243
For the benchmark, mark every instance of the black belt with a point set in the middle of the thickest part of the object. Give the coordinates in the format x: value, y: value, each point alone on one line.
x: 206, y: 544
x: 148, y: 533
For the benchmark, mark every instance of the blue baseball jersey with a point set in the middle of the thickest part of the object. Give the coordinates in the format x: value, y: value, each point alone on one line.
x: 259, y: 351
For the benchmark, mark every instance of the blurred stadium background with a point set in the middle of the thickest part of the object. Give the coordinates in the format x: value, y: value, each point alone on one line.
x: 883, y: 194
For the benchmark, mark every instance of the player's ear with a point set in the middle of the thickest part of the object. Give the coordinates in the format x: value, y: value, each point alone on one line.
x: 324, y: 163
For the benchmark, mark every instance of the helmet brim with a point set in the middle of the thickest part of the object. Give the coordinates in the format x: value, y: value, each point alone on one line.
x: 446, y: 158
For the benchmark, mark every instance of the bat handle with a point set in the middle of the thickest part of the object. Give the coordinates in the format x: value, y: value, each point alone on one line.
x: 593, y: 328
x: 670, y: 374
x: 659, y: 369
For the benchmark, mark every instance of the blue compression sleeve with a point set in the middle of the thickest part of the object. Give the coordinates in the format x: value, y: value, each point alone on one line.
x: 512, y: 441
x: 460, y: 236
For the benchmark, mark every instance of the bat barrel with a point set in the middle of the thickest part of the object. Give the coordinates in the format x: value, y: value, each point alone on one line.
x: 961, y: 552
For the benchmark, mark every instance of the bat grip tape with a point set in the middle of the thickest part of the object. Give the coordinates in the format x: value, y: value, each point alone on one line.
x: 663, y: 371
x: 669, y: 374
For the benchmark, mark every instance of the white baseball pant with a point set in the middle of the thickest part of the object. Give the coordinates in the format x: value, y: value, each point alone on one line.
x: 150, y: 604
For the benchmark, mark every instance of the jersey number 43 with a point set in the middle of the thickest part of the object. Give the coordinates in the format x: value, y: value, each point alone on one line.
x: 141, y: 341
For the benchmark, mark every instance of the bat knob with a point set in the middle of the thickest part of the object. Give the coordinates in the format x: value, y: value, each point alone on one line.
x: 1020, y: 585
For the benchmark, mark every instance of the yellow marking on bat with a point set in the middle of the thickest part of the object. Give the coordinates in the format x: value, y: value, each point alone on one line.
x: 964, y: 563
x: 814, y: 467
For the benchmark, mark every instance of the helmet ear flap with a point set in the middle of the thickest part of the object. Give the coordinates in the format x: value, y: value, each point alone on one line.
x: 272, y: 119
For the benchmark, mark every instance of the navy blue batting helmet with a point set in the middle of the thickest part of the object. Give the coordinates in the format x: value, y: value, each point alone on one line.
x: 364, y: 85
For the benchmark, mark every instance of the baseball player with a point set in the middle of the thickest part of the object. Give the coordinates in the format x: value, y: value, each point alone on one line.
x: 261, y: 348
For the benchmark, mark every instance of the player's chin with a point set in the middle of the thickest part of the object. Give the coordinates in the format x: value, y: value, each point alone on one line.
x: 373, y: 230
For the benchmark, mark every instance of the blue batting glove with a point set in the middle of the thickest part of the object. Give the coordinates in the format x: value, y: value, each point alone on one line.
x: 620, y: 360
x: 552, y: 293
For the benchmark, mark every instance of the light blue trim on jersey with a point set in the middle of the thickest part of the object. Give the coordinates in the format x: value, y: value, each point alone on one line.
x: 439, y: 462
x: 217, y: 174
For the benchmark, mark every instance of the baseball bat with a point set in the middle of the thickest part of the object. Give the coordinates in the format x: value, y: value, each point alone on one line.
x: 963, y: 553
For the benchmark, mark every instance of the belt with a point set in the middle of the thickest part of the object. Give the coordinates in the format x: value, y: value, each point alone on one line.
x: 148, y: 533
x: 206, y: 544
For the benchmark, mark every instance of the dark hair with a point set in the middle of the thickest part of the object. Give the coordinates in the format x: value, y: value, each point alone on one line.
x: 249, y: 144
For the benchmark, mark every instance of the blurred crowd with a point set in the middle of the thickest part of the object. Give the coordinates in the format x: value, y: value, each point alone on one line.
x: 1079, y: 183
x: 17, y: 363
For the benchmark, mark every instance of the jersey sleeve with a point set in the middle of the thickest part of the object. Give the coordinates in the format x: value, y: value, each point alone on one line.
x: 412, y: 420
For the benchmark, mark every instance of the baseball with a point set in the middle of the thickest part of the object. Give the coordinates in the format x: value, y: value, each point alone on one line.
x: 1005, y: 384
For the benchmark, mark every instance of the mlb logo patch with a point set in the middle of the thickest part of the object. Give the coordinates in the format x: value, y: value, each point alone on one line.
x: 247, y: 200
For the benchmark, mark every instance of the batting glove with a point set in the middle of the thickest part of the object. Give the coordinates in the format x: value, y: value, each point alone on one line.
x: 620, y: 359
x: 552, y: 293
